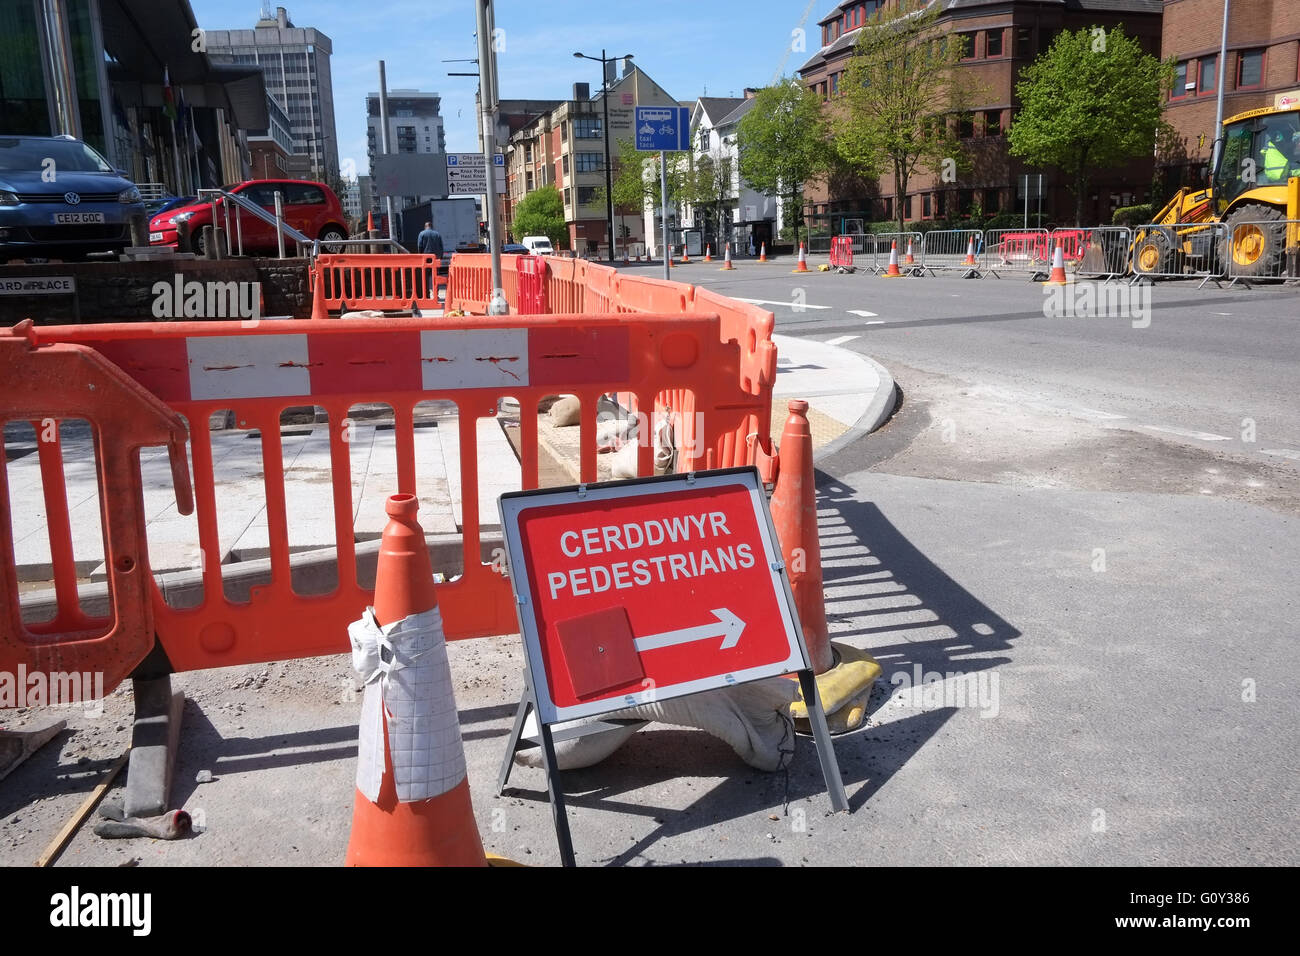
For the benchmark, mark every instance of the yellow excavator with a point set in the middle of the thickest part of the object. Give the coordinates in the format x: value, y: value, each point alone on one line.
x: 1256, y: 183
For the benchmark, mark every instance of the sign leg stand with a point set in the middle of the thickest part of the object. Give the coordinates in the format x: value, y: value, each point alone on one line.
x: 516, y: 733
x: 557, y: 798
x: 822, y: 737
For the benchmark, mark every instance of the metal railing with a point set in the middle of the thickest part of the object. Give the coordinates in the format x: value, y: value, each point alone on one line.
x: 1262, y: 250
x: 1021, y: 251
x: 953, y: 250
x: 1105, y: 253
x: 911, y: 254
x: 282, y: 228
x: 1181, y: 250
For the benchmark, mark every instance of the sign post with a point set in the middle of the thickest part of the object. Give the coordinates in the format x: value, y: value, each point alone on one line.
x: 663, y: 129
x: 634, y: 592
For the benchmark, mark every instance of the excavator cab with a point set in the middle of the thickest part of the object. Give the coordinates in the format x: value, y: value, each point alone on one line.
x: 1261, y: 152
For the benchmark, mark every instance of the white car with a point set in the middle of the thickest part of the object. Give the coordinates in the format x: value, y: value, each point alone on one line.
x: 538, y: 245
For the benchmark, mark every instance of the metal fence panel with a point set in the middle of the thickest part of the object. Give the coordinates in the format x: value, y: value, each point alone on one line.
x: 911, y: 255
x: 1104, y: 253
x: 954, y: 250
x: 1181, y: 250
x: 1017, y: 251
x: 1262, y: 249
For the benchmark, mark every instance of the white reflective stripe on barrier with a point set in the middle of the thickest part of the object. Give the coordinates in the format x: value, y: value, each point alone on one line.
x: 409, y: 689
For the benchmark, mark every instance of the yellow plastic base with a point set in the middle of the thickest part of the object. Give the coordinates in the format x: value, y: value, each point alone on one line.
x: 843, y: 689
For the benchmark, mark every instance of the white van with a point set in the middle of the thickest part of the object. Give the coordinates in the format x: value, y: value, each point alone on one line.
x: 538, y: 245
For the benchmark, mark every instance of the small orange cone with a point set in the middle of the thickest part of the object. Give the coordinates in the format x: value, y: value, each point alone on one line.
x: 909, y: 260
x: 794, y: 514
x: 670, y: 257
x: 318, y: 310
x: 892, y: 272
x: 970, y: 252
x: 726, y: 260
x: 370, y: 221
x: 1058, y: 267
x: 762, y: 253
x: 802, y: 265
x: 708, y: 253
x: 403, y: 641
x: 686, y: 256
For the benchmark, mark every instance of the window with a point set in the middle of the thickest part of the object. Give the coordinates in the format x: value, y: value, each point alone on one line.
x: 564, y: 163
x: 588, y: 162
x: 993, y: 123
x: 835, y: 84
x: 1208, y: 68
x: 528, y: 152
x: 568, y: 196
x: 1250, y: 69
x: 967, y: 41
x: 586, y: 127
x: 889, y: 208
x: 992, y: 201
x: 586, y: 195
x: 302, y: 194
x: 993, y: 43
x: 965, y: 125
x: 1180, y: 82
x: 926, y: 206
x: 1024, y: 42
x: 907, y: 207
x: 528, y: 181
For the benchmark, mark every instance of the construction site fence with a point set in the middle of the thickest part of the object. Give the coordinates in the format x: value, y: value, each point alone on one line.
x: 1263, y: 249
x: 203, y: 390
x: 1180, y: 251
x: 952, y: 250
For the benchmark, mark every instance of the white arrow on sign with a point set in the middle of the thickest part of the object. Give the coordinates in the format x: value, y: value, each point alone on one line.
x: 727, y: 626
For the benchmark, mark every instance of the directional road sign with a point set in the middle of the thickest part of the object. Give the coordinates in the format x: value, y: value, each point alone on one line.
x: 662, y: 128
x: 635, y: 592
x: 467, y: 173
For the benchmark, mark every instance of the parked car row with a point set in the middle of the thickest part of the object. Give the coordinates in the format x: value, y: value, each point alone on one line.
x: 60, y: 199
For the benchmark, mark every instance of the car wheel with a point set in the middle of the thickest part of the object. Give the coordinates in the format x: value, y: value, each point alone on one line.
x: 330, y: 238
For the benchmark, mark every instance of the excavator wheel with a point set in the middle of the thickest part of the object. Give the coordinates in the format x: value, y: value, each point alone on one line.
x: 1153, y: 252
x: 1255, y: 243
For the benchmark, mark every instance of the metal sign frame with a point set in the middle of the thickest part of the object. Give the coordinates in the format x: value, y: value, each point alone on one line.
x: 537, y: 695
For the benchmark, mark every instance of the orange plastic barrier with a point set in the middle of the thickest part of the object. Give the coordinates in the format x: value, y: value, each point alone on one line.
x: 45, y: 386
x: 841, y: 251
x: 531, y: 278
x: 377, y: 281
x: 1074, y: 242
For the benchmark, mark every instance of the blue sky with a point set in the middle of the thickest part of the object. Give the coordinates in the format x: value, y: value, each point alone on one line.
x: 688, y: 47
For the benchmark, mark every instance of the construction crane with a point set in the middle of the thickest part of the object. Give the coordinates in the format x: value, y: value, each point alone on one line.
x: 789, y: 47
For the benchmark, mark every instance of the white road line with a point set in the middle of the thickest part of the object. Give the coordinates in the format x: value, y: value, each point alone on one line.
x: 1185, y: 433
x: 862, y: 312
x: 877, y: 322
x: 797, y: 306
x: 841, y: 339
x: 1282, y: 453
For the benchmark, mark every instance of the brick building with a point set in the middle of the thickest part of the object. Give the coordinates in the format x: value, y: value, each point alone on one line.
x: 1001, y: 37
x: 1263, y: 63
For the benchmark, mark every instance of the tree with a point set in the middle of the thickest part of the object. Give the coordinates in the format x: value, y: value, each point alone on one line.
x: 541, y: 213
x: 1092, y: 101
x: 897, y: 91
x: 782, y: 143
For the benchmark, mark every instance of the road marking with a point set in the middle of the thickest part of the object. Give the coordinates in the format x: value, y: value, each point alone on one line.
x: 1282, y: 453
x: 876, y: 322
x: 1220, y: 313
x: 1185, y: 433
x: 797, y: 306
x: 862, y: 312
x: 841, y: 339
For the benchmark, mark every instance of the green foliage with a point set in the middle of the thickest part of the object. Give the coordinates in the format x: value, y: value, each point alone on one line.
x: 897, y: 87
x: 541, y: 213
x: 781, y: 141
x: 1138, y: 215
x: 1091, y: 101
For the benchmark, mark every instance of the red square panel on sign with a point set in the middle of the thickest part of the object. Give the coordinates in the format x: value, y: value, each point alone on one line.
x: 599, y: 651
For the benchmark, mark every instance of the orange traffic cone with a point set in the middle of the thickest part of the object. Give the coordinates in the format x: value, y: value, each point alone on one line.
x: 1058, y: 267
x: 726, y: 260
x: 370, y: 221
x: 802, y: 265
x: 970, y: 252
x: 762, y: 253
x: 909, y: 260
x: 412, y: 804
x: 794, y: 513
x: 318, y: 310
x: 686, y: 256
x: 892, y: 272
x: 708, y: 253
x: 670, y: 257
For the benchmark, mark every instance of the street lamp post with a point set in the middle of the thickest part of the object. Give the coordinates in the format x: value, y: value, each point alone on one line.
x: 609, y: 181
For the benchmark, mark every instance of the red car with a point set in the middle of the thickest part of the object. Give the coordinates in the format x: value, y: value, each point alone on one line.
x: 311, y: 208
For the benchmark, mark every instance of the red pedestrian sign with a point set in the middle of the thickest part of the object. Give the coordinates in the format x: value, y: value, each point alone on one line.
x: 635, y: 592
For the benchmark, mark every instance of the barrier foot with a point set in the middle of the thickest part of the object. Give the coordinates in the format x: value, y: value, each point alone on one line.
x: 843, y: 689
x: 17, y: 745
x: 515, y: 743
x: 155, y: 738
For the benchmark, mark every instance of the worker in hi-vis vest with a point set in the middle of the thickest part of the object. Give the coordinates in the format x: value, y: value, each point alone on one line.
x: 1275, y: 163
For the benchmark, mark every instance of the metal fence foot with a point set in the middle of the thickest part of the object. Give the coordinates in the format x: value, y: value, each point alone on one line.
x: 155, y: 737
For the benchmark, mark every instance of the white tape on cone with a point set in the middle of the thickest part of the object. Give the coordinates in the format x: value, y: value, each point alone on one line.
x: 408, y: 686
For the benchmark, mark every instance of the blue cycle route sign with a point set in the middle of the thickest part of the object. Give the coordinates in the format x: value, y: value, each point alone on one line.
x: 665, y: 128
